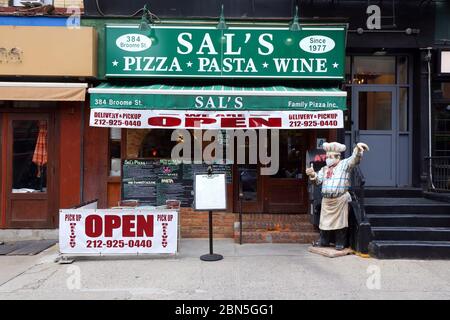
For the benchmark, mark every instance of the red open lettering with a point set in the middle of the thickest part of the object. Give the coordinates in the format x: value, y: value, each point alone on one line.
x: 111, y: 223
x: 144, y: 226
x: 93, y: 226
x: 197, y: 122
x: 164, y: 121
x: 233, y: 123
x: 130, y: 225
x: 259, y: 122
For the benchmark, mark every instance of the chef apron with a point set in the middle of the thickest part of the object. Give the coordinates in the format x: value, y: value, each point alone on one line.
x: 334, y: 212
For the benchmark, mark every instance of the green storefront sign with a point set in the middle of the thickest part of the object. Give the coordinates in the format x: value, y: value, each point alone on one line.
x: 313, y: 52
x: 216, y: 98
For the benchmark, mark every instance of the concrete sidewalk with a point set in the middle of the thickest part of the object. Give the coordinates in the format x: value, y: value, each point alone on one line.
x: 251, y: 271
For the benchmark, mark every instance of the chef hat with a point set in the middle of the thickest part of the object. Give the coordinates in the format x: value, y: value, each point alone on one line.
x: 335, y: 147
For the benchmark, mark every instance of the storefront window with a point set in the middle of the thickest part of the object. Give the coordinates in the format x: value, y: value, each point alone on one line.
x: 115, y: 135
x: 30, y: 155
x: 402, y: 65
x: 292, y: 152
x: 348, y: 69
x: 248, y: 175
x: 149, y: 143
x: 441, y: 119
x: 441, y: 91
x: 441, y: 128
x: 374, y: 70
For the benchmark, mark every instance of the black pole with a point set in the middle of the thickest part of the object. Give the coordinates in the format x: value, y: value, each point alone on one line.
x: 240, y: 222
x: 211, y: 250
x: 241, y: 195
x: 211, y: 256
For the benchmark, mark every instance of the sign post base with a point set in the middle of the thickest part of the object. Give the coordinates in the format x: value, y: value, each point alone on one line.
x: 211, y: 257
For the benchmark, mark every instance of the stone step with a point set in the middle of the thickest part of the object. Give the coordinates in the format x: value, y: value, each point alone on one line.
x: 380, y: 192
x: 409, y: 220
x: 410, y: 249
x: 406, y: 206
x: 411, y: 234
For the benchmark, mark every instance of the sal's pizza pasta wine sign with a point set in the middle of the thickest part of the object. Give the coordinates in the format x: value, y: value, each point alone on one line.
x: 313, y: 52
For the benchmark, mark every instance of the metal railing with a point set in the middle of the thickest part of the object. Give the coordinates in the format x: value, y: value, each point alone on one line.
x: 438, y: 174
x: 357, y: 192
x: 360, y: 231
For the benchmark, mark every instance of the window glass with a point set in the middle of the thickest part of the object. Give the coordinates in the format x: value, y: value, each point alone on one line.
x: 115, y: 135
x: 441, y: 129
x: 149, y: 143
x: 30, y: 156
x: 248, y: 175
x: 291, y: 153
x: 375, y: 111
x: 402, y: 70
x: 374, y: 70
x: 348, y: 69
x: 441, y: 90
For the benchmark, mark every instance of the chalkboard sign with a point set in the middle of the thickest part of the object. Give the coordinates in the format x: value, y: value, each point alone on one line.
x: 153, y: 181
x: 143, y: 169
x: 139, y: 180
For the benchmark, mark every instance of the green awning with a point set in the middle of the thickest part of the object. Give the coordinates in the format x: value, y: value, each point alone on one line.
x: 216, y: 98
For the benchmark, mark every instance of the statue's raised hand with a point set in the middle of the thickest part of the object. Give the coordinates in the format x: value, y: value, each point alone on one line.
x: 362, y: 147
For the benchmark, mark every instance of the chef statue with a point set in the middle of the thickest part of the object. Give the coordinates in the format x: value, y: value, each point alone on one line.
x: 335, y: 180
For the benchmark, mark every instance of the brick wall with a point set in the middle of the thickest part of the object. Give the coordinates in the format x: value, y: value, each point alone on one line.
x: 276, y: 228
x: 194, y: 224
x: 257, y: 228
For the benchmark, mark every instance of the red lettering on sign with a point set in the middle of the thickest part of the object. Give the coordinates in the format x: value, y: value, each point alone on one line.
x: 259, y: 122
x: 164, y: 235
x: 164, y: 121
x: 72, y: 241
x: 233, y: 123
x: 128, y: 226
x: 197, y: 122
x: 111, y: 223
x: 93, y: 226
x: 144, y: 225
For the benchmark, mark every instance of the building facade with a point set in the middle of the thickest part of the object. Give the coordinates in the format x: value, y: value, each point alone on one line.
x: 43, y: 70
x: 391, y: 58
